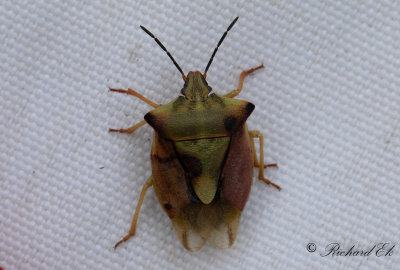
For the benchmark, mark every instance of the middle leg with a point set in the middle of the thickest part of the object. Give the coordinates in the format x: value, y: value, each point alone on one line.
x: 256, y: 134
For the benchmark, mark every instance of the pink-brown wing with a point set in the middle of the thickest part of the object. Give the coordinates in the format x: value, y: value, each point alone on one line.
x: 172, y: 191
x: 196, y: 223
x: 237, y: 174
x: 168, y: 177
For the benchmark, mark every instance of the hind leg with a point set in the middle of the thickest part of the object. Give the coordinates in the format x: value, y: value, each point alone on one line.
x: 132, y: 230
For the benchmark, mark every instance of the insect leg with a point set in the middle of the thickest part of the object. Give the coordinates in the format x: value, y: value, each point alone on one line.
x: 128, y: 130
x: 243, y: 75
x: 256, y: 134
x: 136, y: 94
x: 132, y: 230
x: 255, y: 156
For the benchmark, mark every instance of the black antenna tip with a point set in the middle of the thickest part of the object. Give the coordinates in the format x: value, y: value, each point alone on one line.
x: 147, y: 31
x: 234, y: 21
x: 219, y: 43
x: 165, y: 50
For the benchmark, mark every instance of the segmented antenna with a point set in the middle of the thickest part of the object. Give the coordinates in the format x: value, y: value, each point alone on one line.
x: 219, y: 43
x: 165, y: 50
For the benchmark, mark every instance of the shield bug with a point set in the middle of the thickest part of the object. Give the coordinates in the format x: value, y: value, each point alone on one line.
x: 202, y: 158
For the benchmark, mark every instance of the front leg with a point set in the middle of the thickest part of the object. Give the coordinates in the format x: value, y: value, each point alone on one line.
x: 243, y: 75
x: 141, y: 97
x: 136, y: 94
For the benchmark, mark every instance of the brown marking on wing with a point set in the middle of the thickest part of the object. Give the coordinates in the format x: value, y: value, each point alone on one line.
x: 223, y: 222
x: 167, y: 206
x: 185, y: 240
x: 168, y: 159
x: 168, y: 177
x: 187, y: 228
x: 230, y: 236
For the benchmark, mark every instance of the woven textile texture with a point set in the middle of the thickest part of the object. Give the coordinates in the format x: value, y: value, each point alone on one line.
x: 327, y: 102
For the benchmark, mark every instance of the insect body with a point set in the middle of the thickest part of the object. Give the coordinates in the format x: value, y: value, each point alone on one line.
x: 202, y: 159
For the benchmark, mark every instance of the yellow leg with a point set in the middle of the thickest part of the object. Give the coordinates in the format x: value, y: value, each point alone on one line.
x: 256, y: 134
x: 128, y: 130
x: 243, y: 75
x: 255, y: 156
x: 141, y: 97
x: 136, y: 94
x: 132, y: 230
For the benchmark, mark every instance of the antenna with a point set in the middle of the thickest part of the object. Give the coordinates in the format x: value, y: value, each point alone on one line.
x: 165, y: 50
x: 219, y: 43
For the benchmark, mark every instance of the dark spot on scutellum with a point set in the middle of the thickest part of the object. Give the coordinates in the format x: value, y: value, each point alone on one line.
x: 229, y: 123
x: 167, y: 206
x: 192, y: 165
x: 249, y: 108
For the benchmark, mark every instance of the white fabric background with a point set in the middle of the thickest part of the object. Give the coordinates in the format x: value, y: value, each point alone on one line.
x: 327, y: 103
